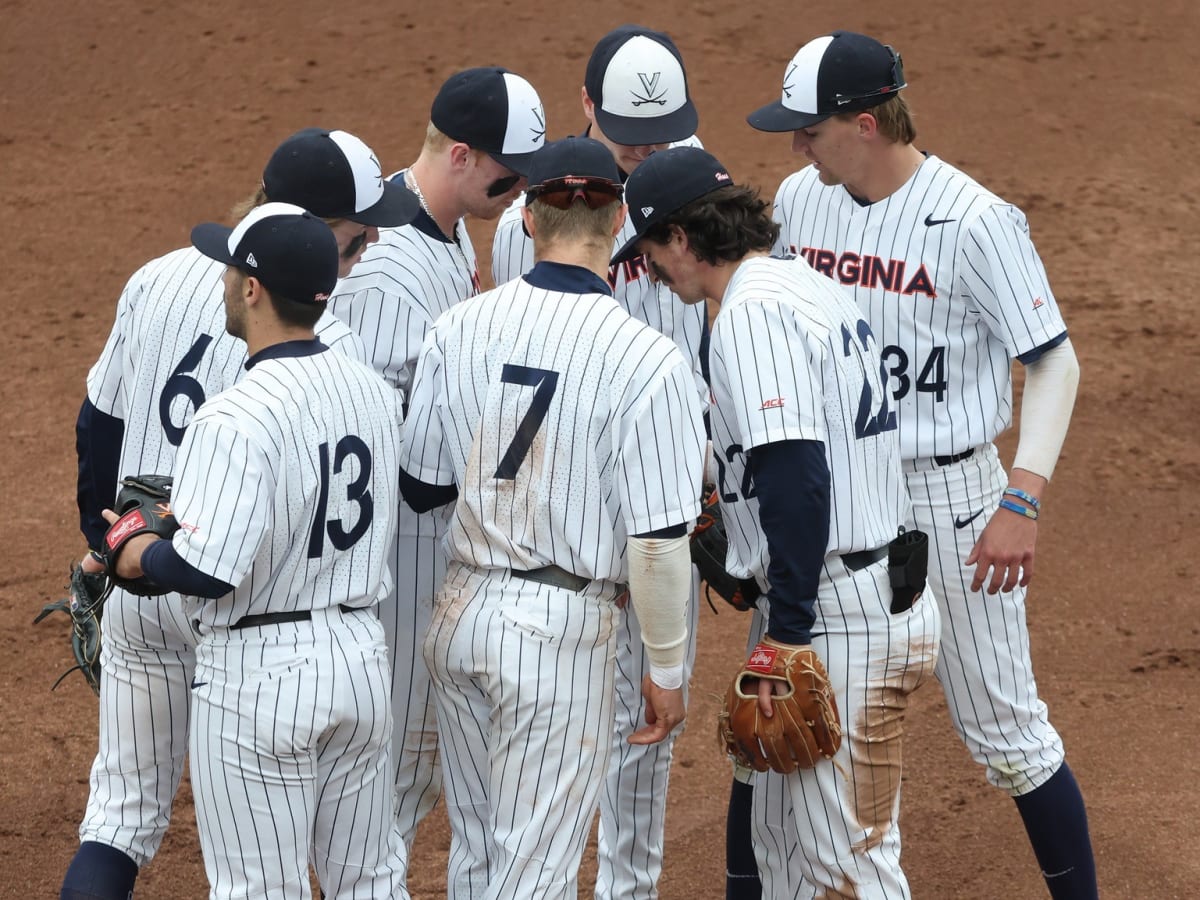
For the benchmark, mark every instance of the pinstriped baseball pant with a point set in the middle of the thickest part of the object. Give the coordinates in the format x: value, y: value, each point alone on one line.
x: 523, y: 678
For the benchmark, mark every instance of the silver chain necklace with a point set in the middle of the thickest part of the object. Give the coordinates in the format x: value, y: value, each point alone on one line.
x: 410, y: 179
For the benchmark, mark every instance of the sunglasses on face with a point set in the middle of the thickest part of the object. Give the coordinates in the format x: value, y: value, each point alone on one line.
x: 502, y: 186
x: 898, y: 82
x: 562, y: 192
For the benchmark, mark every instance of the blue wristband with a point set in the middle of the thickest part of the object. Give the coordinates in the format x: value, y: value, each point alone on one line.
x: 1021, y: 495
x: 1017, y: 508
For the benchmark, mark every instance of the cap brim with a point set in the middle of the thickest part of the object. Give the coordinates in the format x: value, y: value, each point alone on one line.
x: 212, y: 240
x: 396, y: 207
x: 777, y: 117
x: 629, y: 250
x: 517, y: 162
x: 638, y: 132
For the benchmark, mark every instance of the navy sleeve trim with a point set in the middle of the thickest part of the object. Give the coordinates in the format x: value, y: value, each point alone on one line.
x: 423, y: 496
x: 163, y: 565
x: 1038, y: 352
x: 791, y: 480
x: 98, y: 439
x: 671, y: 531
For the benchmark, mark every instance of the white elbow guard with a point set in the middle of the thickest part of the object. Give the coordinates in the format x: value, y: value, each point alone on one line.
x: 660, y: 584
x: 1046, y: 405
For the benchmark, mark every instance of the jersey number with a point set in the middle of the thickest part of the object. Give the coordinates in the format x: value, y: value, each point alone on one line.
x: 728, y: 496
x: 931, y: 380
x: 865, y: 424
x: 356, y: 492
x: 180, y: 384
x: 546, y: 383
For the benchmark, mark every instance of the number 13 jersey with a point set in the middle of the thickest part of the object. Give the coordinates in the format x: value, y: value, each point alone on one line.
x: 948, y: 278
x: 566, y: 424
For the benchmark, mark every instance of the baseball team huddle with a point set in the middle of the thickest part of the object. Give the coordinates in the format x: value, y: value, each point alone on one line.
x: 410, y: 540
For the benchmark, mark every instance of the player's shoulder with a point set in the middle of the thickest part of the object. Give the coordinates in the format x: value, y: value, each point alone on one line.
x: 511, y: 217
x: 778, y: 288
x: 951, y: 192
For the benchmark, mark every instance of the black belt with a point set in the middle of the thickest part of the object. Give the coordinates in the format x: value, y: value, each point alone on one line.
x: 957, y: 457
x: 860, y: 559
x: 555, y: 576
x: 278, y: 618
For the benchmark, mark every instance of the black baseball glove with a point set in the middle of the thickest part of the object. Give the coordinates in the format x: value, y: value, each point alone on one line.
x: 709, y: 545
x: 85, y: 606
x: 144, y: 505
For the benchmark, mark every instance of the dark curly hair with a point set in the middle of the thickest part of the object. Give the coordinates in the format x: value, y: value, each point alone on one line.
x: 725, y: 224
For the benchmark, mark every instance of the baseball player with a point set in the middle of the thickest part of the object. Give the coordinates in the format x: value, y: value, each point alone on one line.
x: 811, y: 494
x: 484, y: 124
x: 948, y: 278
x: 290, y: 690
x: 168, y: 351
x: 572, y: 436
x: 636, y: 100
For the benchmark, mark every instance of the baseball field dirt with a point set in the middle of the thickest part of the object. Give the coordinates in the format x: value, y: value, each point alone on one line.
x: 124, y: 123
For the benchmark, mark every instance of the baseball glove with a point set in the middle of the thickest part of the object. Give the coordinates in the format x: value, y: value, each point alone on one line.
x: 144, y: 505
x: 709, y: 545
x: 85, y: 606
x: 804, y: 727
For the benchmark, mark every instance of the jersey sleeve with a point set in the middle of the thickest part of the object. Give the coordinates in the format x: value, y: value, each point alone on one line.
x: 424, y: 453
x: 771, y: 372
x: 337, y: 335
x: 105, y: 380
x: 512, y: 249
x: 1006, y: 281
x: 784, y: 198
x: 223, y: 496
x: 661, y: 462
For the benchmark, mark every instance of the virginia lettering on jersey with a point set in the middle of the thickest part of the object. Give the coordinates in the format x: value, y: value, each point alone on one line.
x: 868, y: 271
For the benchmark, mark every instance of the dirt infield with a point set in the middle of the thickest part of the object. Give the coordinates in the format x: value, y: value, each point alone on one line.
x: 124, y: 123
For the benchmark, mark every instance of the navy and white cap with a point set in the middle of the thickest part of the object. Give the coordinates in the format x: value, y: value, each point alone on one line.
x: 837, y: 73
x: 665, y: 183
x: 636, y: 79
x: 291, y: 251
x: 573, y: 162
x: 493, y: 110
x: 335, y: 175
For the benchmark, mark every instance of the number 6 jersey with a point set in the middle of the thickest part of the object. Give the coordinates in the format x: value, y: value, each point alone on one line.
x: 566, y: 424
x: 946, y: 274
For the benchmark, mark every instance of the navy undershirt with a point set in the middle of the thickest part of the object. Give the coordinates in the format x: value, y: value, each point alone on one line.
x: 792, y: 483
x: 98, y: 439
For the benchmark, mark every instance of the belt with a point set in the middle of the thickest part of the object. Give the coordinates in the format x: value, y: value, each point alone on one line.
x: 555, y: 576
x: 957, y: 457
x: 860, y: 559
x: 278, y: 618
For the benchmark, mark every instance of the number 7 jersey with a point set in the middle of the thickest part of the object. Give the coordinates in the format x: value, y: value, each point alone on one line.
x: 948, y: 278
x: 566, y: 424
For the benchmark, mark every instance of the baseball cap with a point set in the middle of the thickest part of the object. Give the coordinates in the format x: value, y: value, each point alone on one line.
x: 335, y: 175
x: 493, y: 110
x: 840, y: 72
x: 573, y: 164
x: 291, y: 251
x: 636, y: 79
x: 665, y: 183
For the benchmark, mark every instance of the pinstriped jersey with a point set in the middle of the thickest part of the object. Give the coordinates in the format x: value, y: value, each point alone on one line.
x: 947, y: 276
x: 168, y: 351
x: 792, y: 359
x: 646, y: 301
x: 286, y: 486
x: 566, y: 424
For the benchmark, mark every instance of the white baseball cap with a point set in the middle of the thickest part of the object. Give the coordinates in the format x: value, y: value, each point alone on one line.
x: 636, y: 79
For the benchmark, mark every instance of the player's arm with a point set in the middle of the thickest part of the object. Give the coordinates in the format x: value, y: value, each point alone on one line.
x: 512, y: 248
x: 337, y: 335
x: 426, y: 475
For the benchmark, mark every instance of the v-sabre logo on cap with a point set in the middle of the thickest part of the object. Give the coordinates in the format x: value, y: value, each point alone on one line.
x: 494, y: 110
x: 292, y: 252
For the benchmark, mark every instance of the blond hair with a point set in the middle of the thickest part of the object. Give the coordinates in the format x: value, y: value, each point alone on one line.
x: 576, y: 225
x: 893, y: 119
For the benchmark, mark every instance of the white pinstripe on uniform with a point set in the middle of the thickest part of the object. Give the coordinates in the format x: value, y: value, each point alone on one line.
x: 617, y: 450
x: 633, y: 804
x: 391, y: 298
x: 812, y: 374
x: 948, y: 277
x: 168, y: 350
x: 285, y: 487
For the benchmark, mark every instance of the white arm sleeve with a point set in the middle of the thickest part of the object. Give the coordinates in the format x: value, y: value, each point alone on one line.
x: 660, y: 582
x: 1046, y: 405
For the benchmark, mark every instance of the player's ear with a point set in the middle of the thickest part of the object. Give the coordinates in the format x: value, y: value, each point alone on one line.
x: 619, y: 221
x: 460, y: 156
x: 867, y: 126
x: 527, y: 219
x: 589, y: 105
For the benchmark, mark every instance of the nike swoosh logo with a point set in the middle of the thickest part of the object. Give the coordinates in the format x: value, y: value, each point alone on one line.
x: 963, y: 523
x: 930, y: 221
x: 198, y: 684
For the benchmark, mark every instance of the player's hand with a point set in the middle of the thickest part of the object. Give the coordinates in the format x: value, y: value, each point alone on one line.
x: 1005, y: 547
x: 129, y: 563
x: 91, y: 564
x: 665, y: 711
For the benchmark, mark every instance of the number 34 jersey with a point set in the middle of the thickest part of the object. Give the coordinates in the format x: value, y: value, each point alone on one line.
x: 286, y: 484
x: 792, y: 360
x: 948, y: 278
x: 566, y: 424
